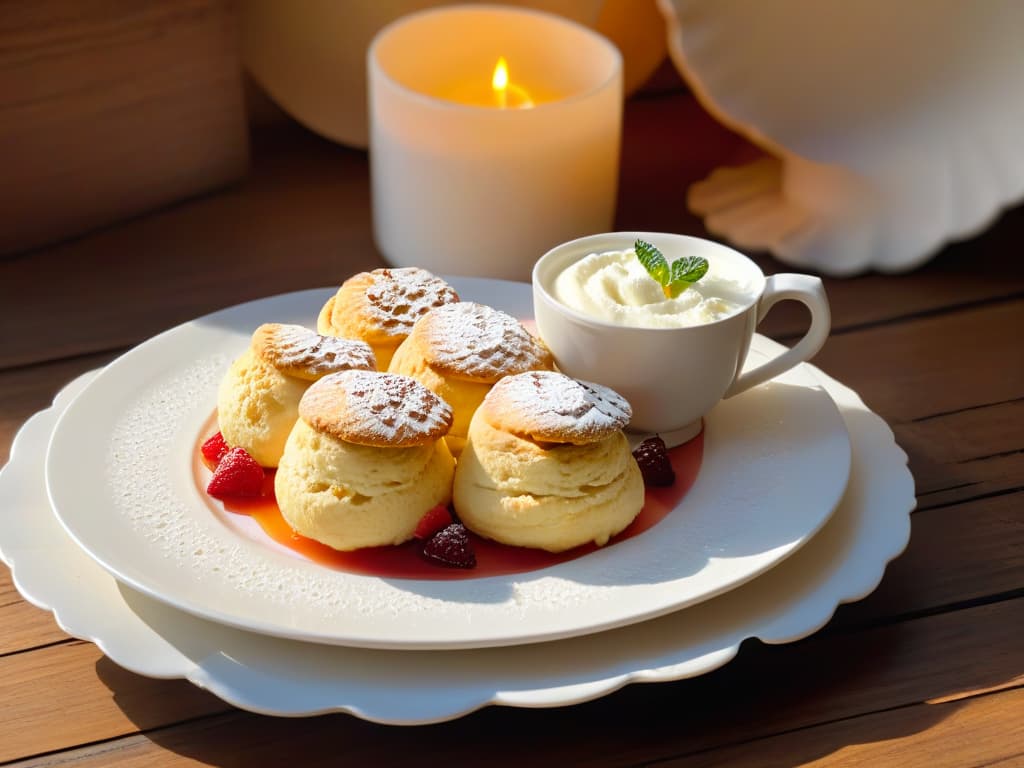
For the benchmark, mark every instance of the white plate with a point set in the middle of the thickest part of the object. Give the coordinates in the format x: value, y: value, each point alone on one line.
x: 889, y: 138
x: 844, y: 562
x: 118, y: 470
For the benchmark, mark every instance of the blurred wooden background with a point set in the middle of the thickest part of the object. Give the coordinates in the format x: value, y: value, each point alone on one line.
x: 109, y: 108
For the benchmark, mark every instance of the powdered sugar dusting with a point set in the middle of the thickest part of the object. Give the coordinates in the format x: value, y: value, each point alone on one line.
x: 298, y: 351
x: 552, y: 407
x: 141, y: 452
x: 144, y: 450
x: 151, y: 444
x: 397, y: 298
x: 479, y: 342
x: 382, y: 409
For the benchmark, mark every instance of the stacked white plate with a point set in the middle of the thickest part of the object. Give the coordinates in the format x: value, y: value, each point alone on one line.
x: 802, y: 499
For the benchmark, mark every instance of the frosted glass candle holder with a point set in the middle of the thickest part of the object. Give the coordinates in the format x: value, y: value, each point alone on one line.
x: 470, y: 178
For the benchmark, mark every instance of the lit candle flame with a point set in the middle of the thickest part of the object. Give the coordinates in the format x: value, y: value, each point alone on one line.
x: 502, y: 87
x: 499, y: 81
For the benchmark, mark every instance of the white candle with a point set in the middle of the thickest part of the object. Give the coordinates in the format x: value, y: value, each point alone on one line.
x: 479, y: 172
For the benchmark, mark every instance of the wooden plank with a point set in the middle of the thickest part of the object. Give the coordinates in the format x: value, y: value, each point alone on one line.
x: 22, y: 625
x: 982, y: 731
x: 70, y: 694
x: 985, y: 731
x: 1014, y: 761
x: 765, y: 691
x: 967, y: 453
x: 961, y: 275
x: 24, y: 391
x: 770, y: 690
x: 940, y: 364
x: 997, y: 474
x: 952, y: 388
x: 301, y: 220
x: 110, y: 109
x: 956, y: 554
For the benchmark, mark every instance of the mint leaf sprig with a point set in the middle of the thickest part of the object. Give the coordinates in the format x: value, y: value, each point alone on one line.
x: 673, y: 280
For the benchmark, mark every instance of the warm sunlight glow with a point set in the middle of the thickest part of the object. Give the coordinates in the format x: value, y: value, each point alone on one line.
x: 499, y: 81
x: 506, y: 93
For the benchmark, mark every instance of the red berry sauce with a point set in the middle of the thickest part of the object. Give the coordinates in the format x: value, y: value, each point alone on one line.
x: 406, y: 562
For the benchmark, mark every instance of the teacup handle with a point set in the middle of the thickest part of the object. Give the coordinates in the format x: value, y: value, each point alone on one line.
x: 808, y: 290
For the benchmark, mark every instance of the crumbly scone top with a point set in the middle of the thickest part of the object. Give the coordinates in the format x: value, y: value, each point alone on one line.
x: 551, y: 407
x: 379, y: 409
x: 386, y: 303
x: 302, y: 353
x: 477, y: 342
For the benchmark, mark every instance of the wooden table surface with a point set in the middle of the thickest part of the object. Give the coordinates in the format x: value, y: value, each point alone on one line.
x: 928, y: 670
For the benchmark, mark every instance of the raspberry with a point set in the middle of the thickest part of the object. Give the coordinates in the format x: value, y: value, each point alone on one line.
x: 238, y: 474
x: 433, y: 521
x: 451, y: 547
x: 215, y: 448
x: 652, y: 457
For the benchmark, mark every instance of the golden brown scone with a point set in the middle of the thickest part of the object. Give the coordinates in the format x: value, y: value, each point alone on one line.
x: 381, y: 307
x: 365, y: 460
x: 460, y: 350
x: 547, y: 464
x: 258, y: 398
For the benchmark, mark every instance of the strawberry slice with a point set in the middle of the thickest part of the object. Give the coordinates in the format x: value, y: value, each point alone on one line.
x: 215, y: 448
x: 451, y: 547
x: 237, y: 474
x: 433, y: 521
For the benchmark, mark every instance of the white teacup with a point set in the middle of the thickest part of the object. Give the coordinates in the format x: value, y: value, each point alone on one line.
x: 673, y: 376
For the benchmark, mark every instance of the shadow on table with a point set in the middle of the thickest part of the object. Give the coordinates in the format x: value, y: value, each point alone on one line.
x: 817, y: 694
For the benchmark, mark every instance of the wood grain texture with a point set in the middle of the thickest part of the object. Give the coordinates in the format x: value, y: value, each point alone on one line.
x: 109, y: 109
x: 69, y: 694
x: 820, y: 680
x: 972, y: 452
x: 957, y: 554
x: 932, y: 365
x: 983, y: 732
x: 22, y: 625
x: 302, y: 220
x: 24, y: 391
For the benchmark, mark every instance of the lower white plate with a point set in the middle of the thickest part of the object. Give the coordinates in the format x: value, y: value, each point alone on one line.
x: 843, y: 562
x: 119, y: 474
